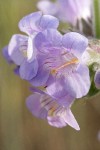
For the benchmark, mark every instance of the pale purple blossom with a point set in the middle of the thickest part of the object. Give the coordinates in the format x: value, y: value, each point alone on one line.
x: 67, y: 10
x: 21, y: 48
x: 45, y: 107
x: 60, y: 68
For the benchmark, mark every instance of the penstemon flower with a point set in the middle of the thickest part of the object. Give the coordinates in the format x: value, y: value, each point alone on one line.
x: 21, y: 48
x: 45, y: 107
x: 60, y: 68
x: 71, y: 11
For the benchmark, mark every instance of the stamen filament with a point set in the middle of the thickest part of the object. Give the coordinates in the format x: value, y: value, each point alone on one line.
x: 73, y: 61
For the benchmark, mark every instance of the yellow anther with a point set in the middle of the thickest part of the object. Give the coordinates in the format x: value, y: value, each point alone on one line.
x: 51, y: 111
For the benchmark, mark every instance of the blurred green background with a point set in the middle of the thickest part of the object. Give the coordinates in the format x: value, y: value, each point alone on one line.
x: 19, y: 130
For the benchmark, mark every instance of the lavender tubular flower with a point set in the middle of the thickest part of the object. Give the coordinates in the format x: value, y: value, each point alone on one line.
x: 43, y: 106
x: 17, y: 50
x: 34, y: 23
x: 67, y: 10
x: 60, y: 67
x: 21, y: 48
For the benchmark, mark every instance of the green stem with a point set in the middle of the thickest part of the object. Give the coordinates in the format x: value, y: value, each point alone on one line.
x: 97, y: 18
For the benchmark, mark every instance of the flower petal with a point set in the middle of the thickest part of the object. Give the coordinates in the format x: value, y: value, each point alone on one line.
x: 33, y: 104
x: 75, y: 43
x: 48, y: 21
x: 31, y: 50
x: 29, y: 23
x: 83, y: 80
x: 56, y: 121
x: 70, y: 119
x: 28, y: 70
x: 36, y: 22
x: 41, y: 77
x: 70, y: 14
x: 70, y: 86
x: 66, y: 101
x: 6, y: 55
x: 48, y: 41
x: 62, y: 92
x: 47, y: 7
x: 97, y: 79
x: 79, y: 81
x: 17, y: 47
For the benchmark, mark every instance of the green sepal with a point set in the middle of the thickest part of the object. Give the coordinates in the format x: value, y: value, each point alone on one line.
x: 93, y: 90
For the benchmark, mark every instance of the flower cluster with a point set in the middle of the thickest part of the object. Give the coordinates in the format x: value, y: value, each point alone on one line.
x: 53, y: 64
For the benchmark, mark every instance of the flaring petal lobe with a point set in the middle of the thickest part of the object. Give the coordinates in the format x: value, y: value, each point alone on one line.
x: 28, y: 70
x: 56, y: 121
x: 48, y: 21
x: 70, y: 86
x: 75, y: 43
x: 33, y: 104
x: 48, y: 41
x: 29, y: 23
x: 70, y: 119
x: 36, y: 22
x: 6, y: 55
x: 41, y: 78
x: 16, y: 48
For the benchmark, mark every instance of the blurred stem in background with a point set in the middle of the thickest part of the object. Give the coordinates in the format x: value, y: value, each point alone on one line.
x: 96, y: 4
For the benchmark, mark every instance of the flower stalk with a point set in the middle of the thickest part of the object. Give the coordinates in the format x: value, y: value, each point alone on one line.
x: 96, y: 4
